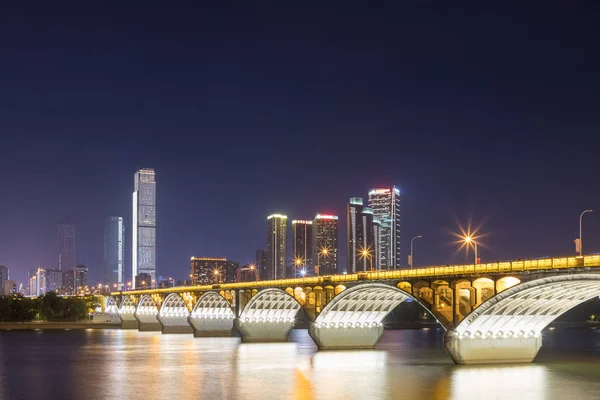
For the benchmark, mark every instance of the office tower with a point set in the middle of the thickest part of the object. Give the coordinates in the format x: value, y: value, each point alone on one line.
x: 3, y: 275
x: 302, y: 246
x: 326, y: 244
x: 54, y: 281
x: 376, y: 243
x: 9, y: 287
x: 247, y: 273
x: 144, y: 224
x: 354, y: 233
x: 66, y: 245
x: 37, y: 283
x: 114, y: 233
x: 276, y: 246
x: 262, y: 263
x: 213, y: 270
x: 386, y: 208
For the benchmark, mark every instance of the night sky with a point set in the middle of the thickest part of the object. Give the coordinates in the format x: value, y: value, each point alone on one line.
x: 247, y: 110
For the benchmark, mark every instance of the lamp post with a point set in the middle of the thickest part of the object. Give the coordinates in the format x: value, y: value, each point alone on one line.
x: 411, y: 250
x: 580, y: 238
x: 469, y: 240
x: 366, y: 253
x: 297, y: 262
x: 324, y: 252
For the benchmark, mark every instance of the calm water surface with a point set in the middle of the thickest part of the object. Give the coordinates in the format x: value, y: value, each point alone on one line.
x: 407, y: 364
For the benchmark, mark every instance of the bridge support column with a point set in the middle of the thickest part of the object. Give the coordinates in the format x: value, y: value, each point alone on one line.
x: 175, y: 325
x: 491, y: 350
x: 148, y: 323
x: 345, y: 337
x: 129, y: 323
x: 264, y: 331
x: 211, y: 327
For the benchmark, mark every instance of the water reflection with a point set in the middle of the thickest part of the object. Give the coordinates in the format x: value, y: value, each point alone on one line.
x: 405, y: 365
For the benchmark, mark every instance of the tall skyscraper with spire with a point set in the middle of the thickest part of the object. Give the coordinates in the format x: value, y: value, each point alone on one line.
x: 144, y: 224
x: 385, y: 203
x: 276, y: 246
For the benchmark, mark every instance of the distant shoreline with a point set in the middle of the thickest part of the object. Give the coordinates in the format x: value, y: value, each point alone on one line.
x: 7, y: 326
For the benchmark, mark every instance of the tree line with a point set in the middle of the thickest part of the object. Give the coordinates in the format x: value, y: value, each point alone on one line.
x: 47, y: 307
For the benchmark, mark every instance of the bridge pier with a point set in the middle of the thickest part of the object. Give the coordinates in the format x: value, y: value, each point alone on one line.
x: 148, y: 323
x: 174, y: 324
x: 216, y: 326
x: 341, y: 336
x: 264, y: 330
x: 497, y: 349
x: 129, y: 323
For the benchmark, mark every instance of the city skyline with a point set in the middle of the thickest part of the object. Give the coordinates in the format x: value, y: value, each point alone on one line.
x: 462, y: 124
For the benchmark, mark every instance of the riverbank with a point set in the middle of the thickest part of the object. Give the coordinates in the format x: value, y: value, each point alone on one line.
x: 8, y: 326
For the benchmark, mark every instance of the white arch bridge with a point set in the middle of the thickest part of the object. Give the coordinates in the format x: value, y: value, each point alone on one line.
x: 489, y: 322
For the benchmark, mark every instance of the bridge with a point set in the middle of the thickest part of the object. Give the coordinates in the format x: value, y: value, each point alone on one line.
x: 492, y: 313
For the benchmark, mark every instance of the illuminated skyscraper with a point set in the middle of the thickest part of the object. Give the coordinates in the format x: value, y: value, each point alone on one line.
x: 213, y: 270
x: 262, y: 263
x: 376, y: 243
x: 66, y: 245
x: 326, y: 243
x: 302, y: 246
x: 386, y: 208
x: 276, y: 246
x: 360, y: 237
x: 144, y: 224
x: 114, y: 232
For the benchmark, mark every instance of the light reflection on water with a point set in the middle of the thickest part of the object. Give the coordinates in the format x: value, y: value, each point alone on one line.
x: 408, y: 364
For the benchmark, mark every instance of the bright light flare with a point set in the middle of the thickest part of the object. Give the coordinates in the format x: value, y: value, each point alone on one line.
x: 467, y: 238
x: 303, y: 272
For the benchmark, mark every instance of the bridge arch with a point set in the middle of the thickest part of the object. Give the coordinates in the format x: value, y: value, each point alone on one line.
x: 147, y: 314
x: 127, y: 306
x: 112, y: 307
x: 271, y: 305
x: 173, y: 306
x: 527, y: 308
x: 507, y: 327
x: 364, y: 305
x: 212, y: 305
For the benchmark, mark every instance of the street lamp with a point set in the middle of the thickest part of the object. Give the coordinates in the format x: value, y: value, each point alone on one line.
x: 323, y: 252
x: 367, y: 253
x: 468, y: 241
x: 217, y: 274
x: 411, y: 250
x: 580, y: 239
x: 297, y: 262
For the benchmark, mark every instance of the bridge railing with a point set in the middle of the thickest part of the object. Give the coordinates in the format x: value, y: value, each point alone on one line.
x: 400, y: 274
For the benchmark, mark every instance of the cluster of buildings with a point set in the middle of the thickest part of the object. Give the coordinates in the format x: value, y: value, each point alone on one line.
x: 372, y: 243
x: 372, y: 240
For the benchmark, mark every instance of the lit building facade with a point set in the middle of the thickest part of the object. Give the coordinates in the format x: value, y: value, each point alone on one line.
x: 114, y: 234
x: 66, y: 245
x: 144, y: 224
x: 54, y: 281
x: 276, y: 246
x: 326, y: 243
x: 360, y: 237
x: 213, y: 270
x: 386, y: 208
x: 143, y: 280
x: 376, y: 243
x: 302, y: 246
x: 9, y: 287
x: 37, y: 283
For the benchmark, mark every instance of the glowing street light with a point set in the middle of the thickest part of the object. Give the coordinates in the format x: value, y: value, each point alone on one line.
x: 323, y: 252
x: 469, y: 240
x: 298, y: 262
x: 580, y: 238
x: 217, y: 275
x: 366, y: 253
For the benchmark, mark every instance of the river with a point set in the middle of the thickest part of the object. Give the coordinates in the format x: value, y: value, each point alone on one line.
x: 407, y: 364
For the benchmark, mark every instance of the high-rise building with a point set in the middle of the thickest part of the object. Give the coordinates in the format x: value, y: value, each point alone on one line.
x: 376, y: 243
x: 144, y: 224
x: 354, y: 232
x: 262, y: 263
x: 302, y: 246
x: 114, y: 234
x: 326, y: 243
x: 54, y: 280
x: 276, y: 246
x: 66, y: 245
x: 213, y: 270
x: 37, y: 283
x: 386, y: 208
x: 3, y: 275
x: 9, y: 287
x: 143, y: 280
